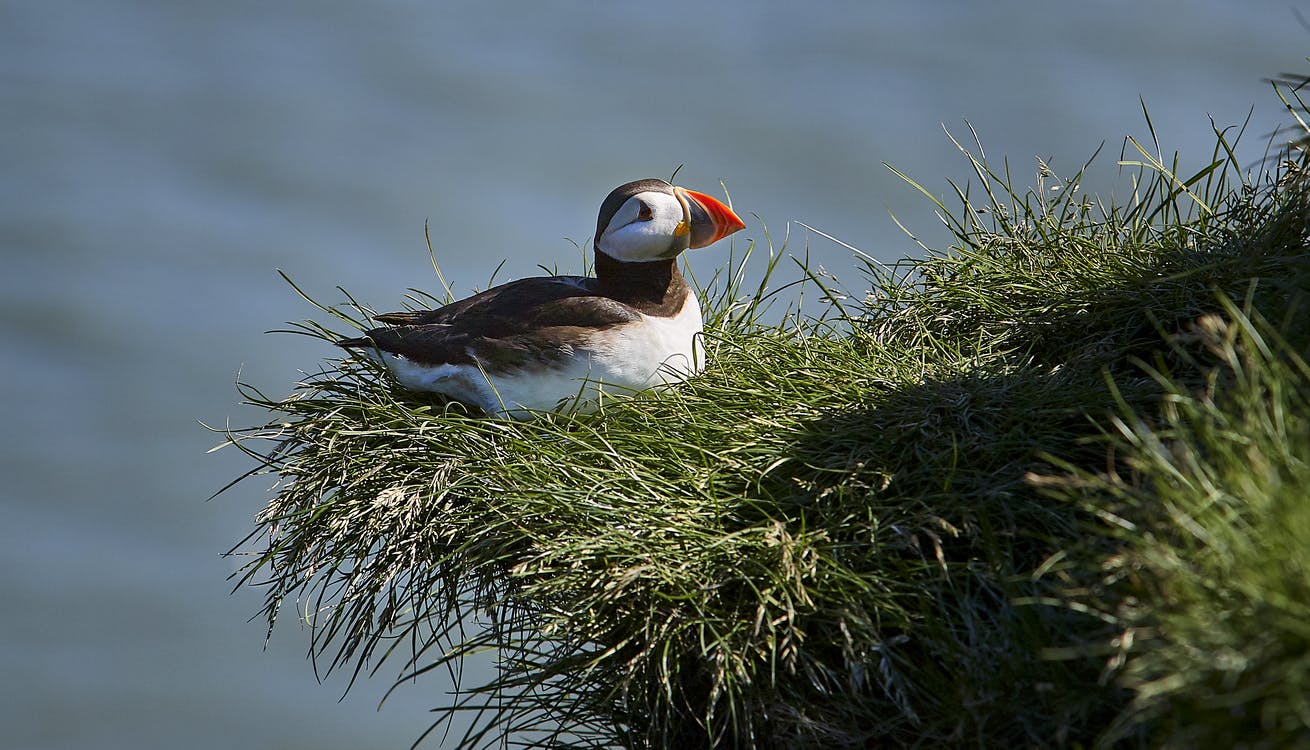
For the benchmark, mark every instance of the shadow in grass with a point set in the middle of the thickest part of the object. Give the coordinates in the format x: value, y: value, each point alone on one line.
x: 924, y: 492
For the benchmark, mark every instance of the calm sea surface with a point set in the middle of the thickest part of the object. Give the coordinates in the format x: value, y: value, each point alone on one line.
x: 158, y: 160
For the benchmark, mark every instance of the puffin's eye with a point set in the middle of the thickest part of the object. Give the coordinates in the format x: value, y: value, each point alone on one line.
x: 644, y: 213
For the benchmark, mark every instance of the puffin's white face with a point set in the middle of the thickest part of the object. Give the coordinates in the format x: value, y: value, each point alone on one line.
x: 648, y: 226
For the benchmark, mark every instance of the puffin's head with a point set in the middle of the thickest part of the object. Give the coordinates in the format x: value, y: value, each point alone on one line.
x: 652, y: 220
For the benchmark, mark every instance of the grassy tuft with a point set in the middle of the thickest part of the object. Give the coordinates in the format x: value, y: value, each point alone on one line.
x: 1035, y: 485
x: 1210, y: 586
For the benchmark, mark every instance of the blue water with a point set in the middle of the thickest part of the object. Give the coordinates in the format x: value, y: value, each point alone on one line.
x: 158, y: 160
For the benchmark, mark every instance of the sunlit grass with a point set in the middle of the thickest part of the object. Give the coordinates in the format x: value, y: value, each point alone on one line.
x: 947, y: 511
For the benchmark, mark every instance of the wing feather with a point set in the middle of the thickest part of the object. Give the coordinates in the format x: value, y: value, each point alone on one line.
x: 512, y: 326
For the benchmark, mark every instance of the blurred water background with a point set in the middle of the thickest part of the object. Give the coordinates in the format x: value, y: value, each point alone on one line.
x: 158, y: 160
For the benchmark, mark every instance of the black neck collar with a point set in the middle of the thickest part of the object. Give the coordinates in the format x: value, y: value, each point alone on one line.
x: 655, y: 287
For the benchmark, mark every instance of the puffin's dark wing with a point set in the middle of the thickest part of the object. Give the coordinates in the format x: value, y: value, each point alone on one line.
x: 431, y: 344
x: 512, y: 298
x: 440, y: 344
x: 512, y: 326
x: 521, y: 306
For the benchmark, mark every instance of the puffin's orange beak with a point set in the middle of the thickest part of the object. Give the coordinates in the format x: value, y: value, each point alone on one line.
x: 710, y: 220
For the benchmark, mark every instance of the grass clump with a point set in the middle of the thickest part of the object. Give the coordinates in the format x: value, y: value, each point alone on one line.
x: 983, y: 505
x: 1211, y: 582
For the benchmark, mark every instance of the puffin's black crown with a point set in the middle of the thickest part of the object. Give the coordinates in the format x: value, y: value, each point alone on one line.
x: 619, y: 195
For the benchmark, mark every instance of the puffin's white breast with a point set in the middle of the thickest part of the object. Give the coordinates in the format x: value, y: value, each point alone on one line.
x: 650, y: 352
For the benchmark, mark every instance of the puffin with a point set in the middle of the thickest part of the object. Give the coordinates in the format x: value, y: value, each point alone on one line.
x: 556, y: 343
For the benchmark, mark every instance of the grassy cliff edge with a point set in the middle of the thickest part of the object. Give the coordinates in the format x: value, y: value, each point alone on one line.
x: 1046, y: 487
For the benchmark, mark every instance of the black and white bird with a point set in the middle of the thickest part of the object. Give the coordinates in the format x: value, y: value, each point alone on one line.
x: 555, y: 343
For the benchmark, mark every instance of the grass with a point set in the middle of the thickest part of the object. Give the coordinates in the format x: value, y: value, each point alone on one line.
x: 1210, y: 584
x: 1041, y: 488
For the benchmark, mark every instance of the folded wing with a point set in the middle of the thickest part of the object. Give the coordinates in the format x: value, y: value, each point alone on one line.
x: 512, y: 326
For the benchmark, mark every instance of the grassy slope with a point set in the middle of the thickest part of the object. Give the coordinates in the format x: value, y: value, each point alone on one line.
x: 1043, y: 479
